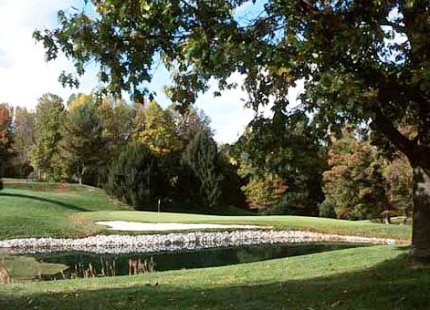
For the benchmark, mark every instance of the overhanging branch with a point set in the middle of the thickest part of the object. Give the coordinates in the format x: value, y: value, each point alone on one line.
x: 404, y: 144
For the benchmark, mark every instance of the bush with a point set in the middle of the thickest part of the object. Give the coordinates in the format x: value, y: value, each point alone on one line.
x: 327, y: 209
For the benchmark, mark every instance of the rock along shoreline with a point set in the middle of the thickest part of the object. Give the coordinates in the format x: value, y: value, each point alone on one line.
x: 168, y: 242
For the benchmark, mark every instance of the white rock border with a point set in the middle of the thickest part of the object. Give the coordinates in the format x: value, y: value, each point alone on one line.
x: 115, y: 244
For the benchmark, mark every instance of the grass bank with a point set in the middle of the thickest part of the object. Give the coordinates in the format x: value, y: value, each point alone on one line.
x: 315, y: 224
x: 50, y: 212
x: 71, y: 210
x: 377, y: 277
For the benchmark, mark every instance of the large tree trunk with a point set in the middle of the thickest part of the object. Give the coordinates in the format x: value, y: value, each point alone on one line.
x: 418, y: 152
x: 420, y: 248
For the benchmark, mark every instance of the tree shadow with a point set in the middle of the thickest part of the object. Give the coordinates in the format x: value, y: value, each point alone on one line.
x: 56, y: 202
x: 389, y: 285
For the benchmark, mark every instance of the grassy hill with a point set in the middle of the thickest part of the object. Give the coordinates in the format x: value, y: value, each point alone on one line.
x: 51, y: 210
x: 69, y: 210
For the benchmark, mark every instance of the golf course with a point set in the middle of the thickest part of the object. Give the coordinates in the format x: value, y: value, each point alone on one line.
x: 366, y: 277
x: 215, y: 154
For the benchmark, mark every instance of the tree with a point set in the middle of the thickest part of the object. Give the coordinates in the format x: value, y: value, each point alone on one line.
x: 47, y: 134
x: 189, y: 123
x: 1, y: 165
x: 6, y: 113
x: 399, y: 180
x: 354, y: 184
x: 284, y: 164
x: 134, y: 177
x: 23, y: 139
x: 360, y: 62
x: 232, y: 183
x: 83, y: 147
x: 265, y: 192
x: 202, y: 156
x: 117, y: 121
x: 159, y: 131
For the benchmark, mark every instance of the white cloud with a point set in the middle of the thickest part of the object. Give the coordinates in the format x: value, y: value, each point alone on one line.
x: 227, y: 112
x: 5, y: 62
x: 24, y: 74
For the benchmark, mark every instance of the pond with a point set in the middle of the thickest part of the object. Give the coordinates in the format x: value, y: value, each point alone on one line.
x: 68, y: 265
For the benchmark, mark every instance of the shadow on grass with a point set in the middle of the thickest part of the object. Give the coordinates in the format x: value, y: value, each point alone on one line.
x: 56, y: 202
x: 390, y: 285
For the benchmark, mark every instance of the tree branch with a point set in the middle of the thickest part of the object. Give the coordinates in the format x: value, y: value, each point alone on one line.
x: 405, y: 145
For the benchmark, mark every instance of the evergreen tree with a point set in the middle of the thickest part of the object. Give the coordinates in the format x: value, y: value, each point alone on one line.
x: 48, y: 121
x: 134, y: 177
x: 83, y: 147
x: 202, y: 156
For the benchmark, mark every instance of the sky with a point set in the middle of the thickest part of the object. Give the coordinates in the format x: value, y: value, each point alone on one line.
x: 25, y: 75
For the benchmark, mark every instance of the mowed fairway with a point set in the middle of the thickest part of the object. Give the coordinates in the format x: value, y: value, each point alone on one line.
x: 71, y: 210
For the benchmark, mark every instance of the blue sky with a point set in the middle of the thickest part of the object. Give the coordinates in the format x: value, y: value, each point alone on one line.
x: 25, y: 75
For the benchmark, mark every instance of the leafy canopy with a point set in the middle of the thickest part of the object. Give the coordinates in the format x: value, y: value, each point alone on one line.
x: 359, y: 60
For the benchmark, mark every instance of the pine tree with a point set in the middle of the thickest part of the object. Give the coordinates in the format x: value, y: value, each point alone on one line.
x: 202, y: 156
x: 134, y: 177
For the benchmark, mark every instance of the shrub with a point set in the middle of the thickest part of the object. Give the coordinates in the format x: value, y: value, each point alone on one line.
x: 327, y: 209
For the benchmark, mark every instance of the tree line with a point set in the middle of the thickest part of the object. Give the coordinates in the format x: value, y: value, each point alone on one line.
x: 143, y: 153
x: 138, y: 153
x: 288, y: 169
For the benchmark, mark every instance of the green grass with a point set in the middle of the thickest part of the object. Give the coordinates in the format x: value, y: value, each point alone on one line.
x: 377, y: 277
x: 29, y: 213
x: 71, y: 210
x: 362, y: 228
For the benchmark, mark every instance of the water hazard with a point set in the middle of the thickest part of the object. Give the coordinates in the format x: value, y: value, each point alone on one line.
x: 68, y: 265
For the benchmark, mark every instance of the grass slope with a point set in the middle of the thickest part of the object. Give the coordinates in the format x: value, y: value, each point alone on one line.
x: 70, y: 211
x: 376, y: 277
x: 28, y: 213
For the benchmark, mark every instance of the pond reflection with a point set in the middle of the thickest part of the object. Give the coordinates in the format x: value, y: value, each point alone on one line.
x: 70, y: 265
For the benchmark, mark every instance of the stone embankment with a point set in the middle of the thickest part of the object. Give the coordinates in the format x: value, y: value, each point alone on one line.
x: 178, y: 241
